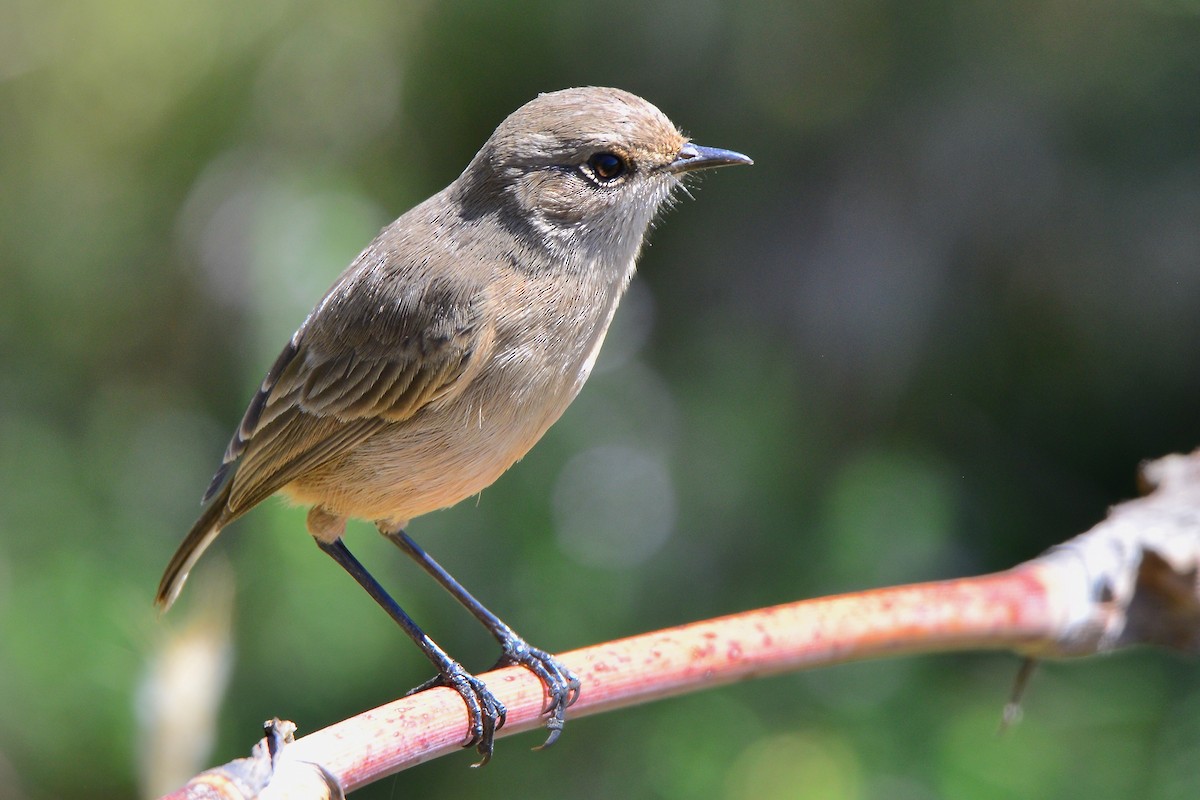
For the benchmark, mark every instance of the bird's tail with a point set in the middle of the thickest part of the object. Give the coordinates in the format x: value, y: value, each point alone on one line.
x: 197, y: 541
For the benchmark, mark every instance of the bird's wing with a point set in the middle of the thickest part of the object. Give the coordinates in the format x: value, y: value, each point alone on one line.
x: 378, y: 349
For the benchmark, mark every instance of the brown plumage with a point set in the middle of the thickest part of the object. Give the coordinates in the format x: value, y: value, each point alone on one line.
x: 462, y: 332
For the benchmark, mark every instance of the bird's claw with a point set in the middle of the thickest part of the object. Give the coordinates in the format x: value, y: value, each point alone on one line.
x: 562, y: 685
x: 486, y: 714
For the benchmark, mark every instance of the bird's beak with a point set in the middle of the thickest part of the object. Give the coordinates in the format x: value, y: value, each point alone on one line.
x: 694, y: 156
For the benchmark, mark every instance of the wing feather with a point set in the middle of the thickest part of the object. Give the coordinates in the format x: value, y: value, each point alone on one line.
x: 357, y: 364
x: 292, y: 450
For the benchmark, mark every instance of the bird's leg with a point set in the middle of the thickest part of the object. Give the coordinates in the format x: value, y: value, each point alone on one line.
x: 562, y: 686
x: 485, y: 711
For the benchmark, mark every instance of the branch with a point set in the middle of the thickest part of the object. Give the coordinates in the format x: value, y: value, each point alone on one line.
x: 1132, y: 579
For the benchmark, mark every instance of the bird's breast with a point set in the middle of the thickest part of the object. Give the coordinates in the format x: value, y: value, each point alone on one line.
x: 549, y: 340
x: 545, y: 341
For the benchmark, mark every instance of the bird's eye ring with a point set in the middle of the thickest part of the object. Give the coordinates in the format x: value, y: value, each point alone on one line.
x: 606, y: 166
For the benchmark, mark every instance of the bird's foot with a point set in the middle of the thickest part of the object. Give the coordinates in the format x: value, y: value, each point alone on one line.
x: 485, y: 712
x: 562, y: 685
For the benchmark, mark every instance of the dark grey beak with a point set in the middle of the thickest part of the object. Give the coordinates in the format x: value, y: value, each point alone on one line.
x: 694, y: 156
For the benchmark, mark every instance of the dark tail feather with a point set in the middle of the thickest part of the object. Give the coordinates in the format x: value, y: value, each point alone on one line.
x: 197, y: 541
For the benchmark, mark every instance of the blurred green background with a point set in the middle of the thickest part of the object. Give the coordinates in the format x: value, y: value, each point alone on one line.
x: 932, y: 332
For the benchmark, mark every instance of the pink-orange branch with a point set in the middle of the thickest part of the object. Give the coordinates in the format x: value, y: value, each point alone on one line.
x: 1130, y: 579
x: 1004, y: 611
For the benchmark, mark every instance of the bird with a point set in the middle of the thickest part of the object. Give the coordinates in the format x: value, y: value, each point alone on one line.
x: 450, y: 345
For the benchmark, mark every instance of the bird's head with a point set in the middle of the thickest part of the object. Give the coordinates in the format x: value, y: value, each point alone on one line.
x: 587, y: 168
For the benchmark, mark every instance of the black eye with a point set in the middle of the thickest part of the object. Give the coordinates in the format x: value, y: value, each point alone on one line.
x: 607, y: 166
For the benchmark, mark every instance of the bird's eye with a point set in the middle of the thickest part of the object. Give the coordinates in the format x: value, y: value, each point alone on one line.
x: 607, y: 167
